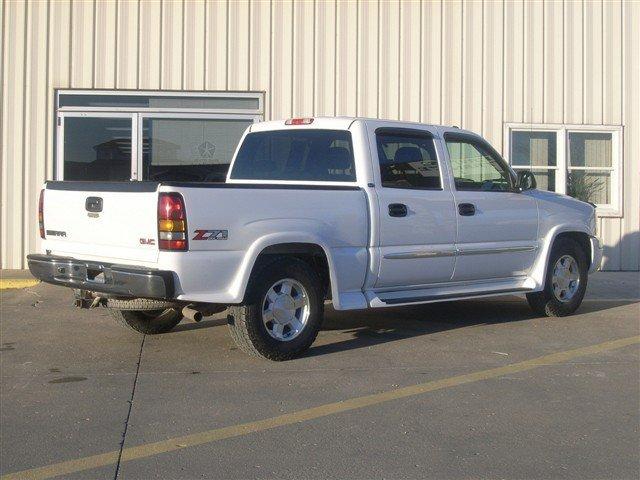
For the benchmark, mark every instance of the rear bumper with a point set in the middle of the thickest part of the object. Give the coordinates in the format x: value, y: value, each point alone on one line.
x: 108, y: 278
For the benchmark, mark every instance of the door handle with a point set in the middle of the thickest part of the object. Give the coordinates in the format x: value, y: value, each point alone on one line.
x: 397, y: 210
x: 466, y: 209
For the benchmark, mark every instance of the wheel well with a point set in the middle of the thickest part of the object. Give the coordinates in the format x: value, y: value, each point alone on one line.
x: 581, y: 239
x: 310, y: 253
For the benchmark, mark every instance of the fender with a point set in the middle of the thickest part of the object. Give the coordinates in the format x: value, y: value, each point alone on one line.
x: 540, y: 266
x: 241, y: 279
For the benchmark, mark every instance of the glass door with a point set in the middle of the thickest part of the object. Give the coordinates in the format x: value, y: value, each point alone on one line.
x: 189, y: 147
x: 97, y: 146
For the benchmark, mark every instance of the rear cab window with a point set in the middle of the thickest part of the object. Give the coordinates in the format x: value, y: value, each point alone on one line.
x: 296, y: 155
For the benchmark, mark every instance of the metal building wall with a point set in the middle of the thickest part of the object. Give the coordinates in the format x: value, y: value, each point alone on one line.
x: 476, y: 64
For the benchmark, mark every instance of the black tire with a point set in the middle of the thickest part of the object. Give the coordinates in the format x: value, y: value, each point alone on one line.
x: 245, y: 321
x: 149, y: 322
x: 545, y: 301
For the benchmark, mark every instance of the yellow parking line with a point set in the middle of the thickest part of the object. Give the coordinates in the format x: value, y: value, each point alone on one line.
x: 179, y: 443
x: 6, y: 283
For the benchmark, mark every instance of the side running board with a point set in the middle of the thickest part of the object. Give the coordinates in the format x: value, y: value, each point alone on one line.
x: 446, y: 296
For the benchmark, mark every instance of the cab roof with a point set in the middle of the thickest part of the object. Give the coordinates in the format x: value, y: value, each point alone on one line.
x: 339, y: 123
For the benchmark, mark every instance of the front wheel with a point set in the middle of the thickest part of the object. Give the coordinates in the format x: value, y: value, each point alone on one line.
x: 565, y: 282
x: 149, y: 322
x: 283, y: 312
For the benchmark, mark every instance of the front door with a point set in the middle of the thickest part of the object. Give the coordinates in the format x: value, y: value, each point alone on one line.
x: 497, y: 226
x: 416, y: 209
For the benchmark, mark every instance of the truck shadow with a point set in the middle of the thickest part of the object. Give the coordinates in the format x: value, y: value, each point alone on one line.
x: 373, y: 327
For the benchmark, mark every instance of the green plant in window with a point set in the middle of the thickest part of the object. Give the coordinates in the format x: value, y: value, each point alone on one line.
x: 582, y: 187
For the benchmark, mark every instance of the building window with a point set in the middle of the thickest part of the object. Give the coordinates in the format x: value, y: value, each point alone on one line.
x: 582, y: 161
x: 133, y: 135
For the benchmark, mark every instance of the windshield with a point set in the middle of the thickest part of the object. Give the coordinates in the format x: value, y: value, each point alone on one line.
x: 310, y: 155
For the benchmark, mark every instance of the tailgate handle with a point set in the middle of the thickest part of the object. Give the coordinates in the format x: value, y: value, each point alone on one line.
x: 93, y: 204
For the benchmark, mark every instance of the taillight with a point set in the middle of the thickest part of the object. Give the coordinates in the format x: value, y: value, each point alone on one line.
x: 41, y: 213
x: 172, y: 222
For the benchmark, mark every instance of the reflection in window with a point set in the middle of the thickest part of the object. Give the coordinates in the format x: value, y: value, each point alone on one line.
x: 475, y: 167
x: 97, y: 148
x: 536, y: 151
x: 189, y: 149
x: 590, y: 166
x: 408, y: 161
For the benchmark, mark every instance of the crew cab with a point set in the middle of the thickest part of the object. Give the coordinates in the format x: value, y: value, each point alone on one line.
x: 364, y: 213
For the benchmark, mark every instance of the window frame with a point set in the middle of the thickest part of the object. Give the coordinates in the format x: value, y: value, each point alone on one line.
x: 137, y: 115
x: 562, y: 168
x: 409, y: 133
x: 473, y: 139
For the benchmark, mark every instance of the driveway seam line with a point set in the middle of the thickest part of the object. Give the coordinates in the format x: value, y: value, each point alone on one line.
x: 126, y: 421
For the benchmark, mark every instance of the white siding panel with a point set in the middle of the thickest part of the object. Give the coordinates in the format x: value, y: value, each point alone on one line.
x: 553, y: 66
x: 282, y: 67
x: 13, y: 133
x: 513, y: 61
x: 629, y: 238
x: 573, y: 62
x: 431, y: 62
x: 593, y: 63
x: 260, y: 67
x: 127, y: 52
x: 492, y: 72
x: 36, y: 121
x: 452, y: 25
x: 104, y: 71
x: 194, y: 41
x: 346, y: 58
x: 303, y: 73
x: 472, y: 78
x: 82, y: 44
x: 368, y: 25
x: 410, y: 54
x: 216, y: 45
x: 475, y: 64
x: 238, y: 56
x: 389, y: 59
x: 324, y: 58
x: 533, y: 99
x: 172, y: 46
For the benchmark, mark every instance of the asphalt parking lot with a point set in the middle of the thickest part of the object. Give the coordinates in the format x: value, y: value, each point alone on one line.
x: 475, y: 389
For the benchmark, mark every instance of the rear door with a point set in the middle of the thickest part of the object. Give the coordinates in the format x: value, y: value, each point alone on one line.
x: 102, y: 221
x: 416, y: 209
x: 497, y: 226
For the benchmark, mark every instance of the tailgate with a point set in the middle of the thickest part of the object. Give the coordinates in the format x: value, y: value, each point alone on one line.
x: 103, y: 221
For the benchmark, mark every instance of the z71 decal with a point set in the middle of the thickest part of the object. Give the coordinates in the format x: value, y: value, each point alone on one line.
x: 211, y: 235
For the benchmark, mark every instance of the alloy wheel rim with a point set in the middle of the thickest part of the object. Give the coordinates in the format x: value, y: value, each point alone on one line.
x: 285, y: 309
x: 566, y: 278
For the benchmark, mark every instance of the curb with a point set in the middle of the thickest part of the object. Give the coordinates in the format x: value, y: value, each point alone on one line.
x: 13, y: 283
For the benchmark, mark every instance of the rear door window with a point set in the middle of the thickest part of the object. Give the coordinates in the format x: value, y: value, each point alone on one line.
x: 306, y: 155
x: 407, y: 159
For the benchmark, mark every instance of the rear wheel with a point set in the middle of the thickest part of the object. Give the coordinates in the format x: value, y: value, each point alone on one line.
x: 283, y: 312
x: 565, y: 282
x: 149, y: 322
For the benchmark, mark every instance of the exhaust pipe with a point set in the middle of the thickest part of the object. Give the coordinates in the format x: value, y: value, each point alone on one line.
x: 192, y: 313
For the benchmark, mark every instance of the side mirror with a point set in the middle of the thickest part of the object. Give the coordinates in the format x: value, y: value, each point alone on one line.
x: 526, y: 180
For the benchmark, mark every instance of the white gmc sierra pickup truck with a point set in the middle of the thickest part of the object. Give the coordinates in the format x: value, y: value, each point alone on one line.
x: 365, y: 213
